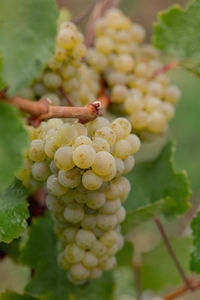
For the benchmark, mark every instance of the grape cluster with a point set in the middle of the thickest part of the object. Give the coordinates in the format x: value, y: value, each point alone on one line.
x: 82, y: 168
x: 128, y: 67
x: 67, y: 70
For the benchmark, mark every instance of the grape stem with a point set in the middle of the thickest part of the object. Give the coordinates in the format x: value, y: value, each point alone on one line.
x: 166, y: 68
x: 99, y: 10
x: 177, y: 293
x: 42, y: 110
x: 137, y: 277
x: 68, y: 99
x: 172, y: 253
x: 78, y: 19
x: 3, y: 92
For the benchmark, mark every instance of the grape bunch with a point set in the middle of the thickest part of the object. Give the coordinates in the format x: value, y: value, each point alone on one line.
x: 129, y: 68
x: 66, y: 69
x: 82, y: 168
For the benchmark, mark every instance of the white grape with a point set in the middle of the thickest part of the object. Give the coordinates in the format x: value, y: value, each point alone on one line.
x: 85, y: 239
x: 91, y: 181
x: 64, y: 158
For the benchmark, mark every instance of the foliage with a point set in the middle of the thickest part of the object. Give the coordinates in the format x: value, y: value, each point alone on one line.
x: 195, y: 256
x: 177, y: 34
x: 49, y: 281
x: 13, y: 212
x: 169, y: 195
x: 27, y: 31
x: 184, y: 127
x: 27, y: 42
x: 13, y: 143
x: 14, y: 296
x: 157, y: 268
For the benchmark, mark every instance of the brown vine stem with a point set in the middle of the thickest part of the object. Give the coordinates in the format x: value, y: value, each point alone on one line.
x: 172, y: 253
x: 3, y: 92
x: 137, y: 279
x: 78, y: 19
x: 68, y: 99
x: 43, y: 109
x: 166, y: 68
x: 99, y: 9
x: 177, y: 293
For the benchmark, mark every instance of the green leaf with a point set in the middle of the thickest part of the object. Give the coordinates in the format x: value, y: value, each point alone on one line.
x: 143, y: 214
x: 124, y: 282
x: 27, y: 31
x: 157, y: 268
x: 100, y: 289
x: 13, y: 212
x: 184, y: 126
x: 157, y: 180
x: 125, y: 256
x: 12, y: 249
x: 177, y: 33
x: 195, y: 255
x: 14, y: 296
x: 2, y: 84
x: 49, y: 281
x: 13, y: 143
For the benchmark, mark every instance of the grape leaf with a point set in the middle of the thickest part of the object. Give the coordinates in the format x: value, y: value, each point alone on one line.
x: 157, y: 180
x: 125, y: 256
x: 2, y: 84
x: 184, y: 126
x: 157, y: 268
x: 12, y: 249
x: 195, y: 255
x: 124, y: 282
x: 13, y: 212
x: 14, y: 296
x: 13, y: 142
x: 49, y: 281
x: 27, y: 31
x: 143, y: 214
x: 177, y: 33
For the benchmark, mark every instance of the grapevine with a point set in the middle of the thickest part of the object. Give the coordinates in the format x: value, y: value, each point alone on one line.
x: 91, y: 203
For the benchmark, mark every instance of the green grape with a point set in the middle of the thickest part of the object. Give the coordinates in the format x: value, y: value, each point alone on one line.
x: 84, y: 156
x: 104, y: 163
x: 79, y: 272
x: 85, y: 239
x: 54, y: 187
x: 89, y: 260
x: 36, y: 150
x: 73, y: 254
x: 106, y: 133
x: 70, y: 179
x: 91, y: 181
x: 73, y: 214
x: 64, y: 158
x: 40, y: 171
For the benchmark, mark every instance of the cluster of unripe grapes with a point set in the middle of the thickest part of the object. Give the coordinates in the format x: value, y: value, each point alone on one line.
x: 66, y: 69
x: 128, y: 67
x: 82, y: 167
x: 126, y: 64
